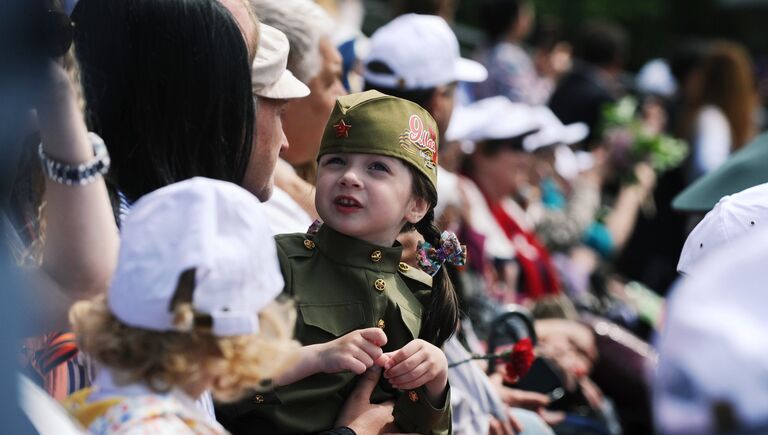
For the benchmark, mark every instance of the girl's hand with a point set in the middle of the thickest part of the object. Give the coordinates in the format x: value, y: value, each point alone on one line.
x: 415, y: 364
x: 354, y: 352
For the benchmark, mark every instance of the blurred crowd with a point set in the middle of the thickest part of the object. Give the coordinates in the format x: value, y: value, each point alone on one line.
x: 610, y: 222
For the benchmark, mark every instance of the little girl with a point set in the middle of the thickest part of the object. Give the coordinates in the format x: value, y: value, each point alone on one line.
x: 190, y: 308
x: 358, y: 305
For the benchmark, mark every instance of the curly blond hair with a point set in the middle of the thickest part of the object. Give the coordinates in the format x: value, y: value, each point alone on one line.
x: 163, y: 360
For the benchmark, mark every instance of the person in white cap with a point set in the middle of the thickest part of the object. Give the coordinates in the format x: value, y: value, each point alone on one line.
x: 416, y: 57
x: 734, y: 217
x: 190, y: 308
x: 713, y: 351
x: 274, y: 86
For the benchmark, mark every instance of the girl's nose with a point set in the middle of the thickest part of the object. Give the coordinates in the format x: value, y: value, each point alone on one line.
x: 350, y: 179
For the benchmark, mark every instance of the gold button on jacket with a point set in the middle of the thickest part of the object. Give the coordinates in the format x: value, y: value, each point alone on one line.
x: 331, y: 285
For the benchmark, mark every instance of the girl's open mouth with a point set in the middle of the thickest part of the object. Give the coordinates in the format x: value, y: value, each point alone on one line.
x: 345, y: 203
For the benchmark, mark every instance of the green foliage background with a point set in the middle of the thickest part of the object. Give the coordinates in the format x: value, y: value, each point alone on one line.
x: 654, y: 26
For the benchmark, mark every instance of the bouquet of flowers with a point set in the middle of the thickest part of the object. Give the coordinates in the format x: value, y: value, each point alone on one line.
x: 517, y: 360
x: 631, y: 141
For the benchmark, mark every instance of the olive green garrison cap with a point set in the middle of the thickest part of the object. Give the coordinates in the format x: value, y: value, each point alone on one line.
x: 746, y: 168
x: 374, y: 123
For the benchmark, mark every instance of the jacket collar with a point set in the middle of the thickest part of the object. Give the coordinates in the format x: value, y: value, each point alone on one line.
x: 354, y: 252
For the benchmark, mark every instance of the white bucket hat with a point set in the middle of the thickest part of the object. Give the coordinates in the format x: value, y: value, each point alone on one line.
x: 733, y: 217
x: 269, y: 76
x: 552, y: 131
x: 214, y: 227
x: 491, y: 118
x: 422, y: 51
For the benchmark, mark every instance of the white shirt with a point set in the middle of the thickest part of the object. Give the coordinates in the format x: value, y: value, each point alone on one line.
x: 286, y: 215
x: 711, y: 140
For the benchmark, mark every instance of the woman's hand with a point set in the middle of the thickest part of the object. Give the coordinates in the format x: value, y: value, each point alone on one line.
x: 415, y: 364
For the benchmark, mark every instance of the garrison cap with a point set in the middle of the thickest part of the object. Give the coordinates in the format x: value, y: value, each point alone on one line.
x: 746, y: 168
x: 374, y: 123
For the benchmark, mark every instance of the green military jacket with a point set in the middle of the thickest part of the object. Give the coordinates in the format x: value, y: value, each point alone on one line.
x: 341, y: 284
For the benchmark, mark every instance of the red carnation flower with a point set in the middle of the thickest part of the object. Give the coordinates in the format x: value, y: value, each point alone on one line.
x: 518, y: 361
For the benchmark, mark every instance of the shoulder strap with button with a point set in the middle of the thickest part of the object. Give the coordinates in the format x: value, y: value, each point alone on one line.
x: 296, y: 245
x: 414, y: 273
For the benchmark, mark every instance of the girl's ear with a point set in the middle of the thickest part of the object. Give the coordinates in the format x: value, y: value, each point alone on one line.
x: 416, y: 210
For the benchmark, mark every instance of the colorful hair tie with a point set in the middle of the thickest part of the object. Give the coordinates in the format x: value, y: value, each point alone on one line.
x: 450, y: 251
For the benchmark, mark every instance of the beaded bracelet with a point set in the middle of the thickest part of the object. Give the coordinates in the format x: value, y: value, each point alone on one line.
x: 80, y: 174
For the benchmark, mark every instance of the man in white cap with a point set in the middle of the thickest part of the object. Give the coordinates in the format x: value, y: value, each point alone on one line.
x: 273, y: 87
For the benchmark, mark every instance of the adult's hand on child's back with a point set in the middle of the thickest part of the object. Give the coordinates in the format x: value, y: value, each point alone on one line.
x: 415, y: 364
x: 355, y: 352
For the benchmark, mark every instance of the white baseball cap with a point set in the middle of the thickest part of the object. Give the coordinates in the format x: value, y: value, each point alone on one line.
x: 732, y: 217
x: 422, y: 52
x: 214, y: 227
x: 270, y: 77
x: 491, y: 118
x: 552, y: 131
x: 713, y: 349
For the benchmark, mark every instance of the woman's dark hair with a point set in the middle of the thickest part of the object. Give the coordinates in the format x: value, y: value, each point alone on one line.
x: 441, y: 318
x: 498, y: 16
x: 167, y: 86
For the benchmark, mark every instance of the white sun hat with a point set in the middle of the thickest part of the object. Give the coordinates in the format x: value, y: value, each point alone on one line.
x: 214, y: 227
x: 552, y: 131
x: 491, y: 118
x: 421, y: 52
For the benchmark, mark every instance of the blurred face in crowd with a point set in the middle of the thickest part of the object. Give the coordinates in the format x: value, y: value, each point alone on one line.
x: 441, y: 106
x: 269, y: 142
x: 305, y: 118
x: 503, y: 172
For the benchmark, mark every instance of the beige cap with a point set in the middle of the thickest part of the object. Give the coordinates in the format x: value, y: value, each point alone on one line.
x: 269, y: 76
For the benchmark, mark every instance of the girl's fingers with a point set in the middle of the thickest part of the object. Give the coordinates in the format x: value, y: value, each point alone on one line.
x: 372, y: 350
x: 401, y: 364
x: 374, y: 335
x: 411, y: 375
x: 403, y: 353
x: 416, y: 383
x: 354, y: 365
x: 363, y: 358
x: 383, y: 360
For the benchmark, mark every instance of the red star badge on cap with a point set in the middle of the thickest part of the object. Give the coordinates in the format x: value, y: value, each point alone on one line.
x: 342, y: 129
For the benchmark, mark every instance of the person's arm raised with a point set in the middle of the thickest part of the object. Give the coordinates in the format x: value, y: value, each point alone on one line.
x: 81, y: 236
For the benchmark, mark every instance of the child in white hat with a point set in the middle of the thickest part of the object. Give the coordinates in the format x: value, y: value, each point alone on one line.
x: 190, y: 309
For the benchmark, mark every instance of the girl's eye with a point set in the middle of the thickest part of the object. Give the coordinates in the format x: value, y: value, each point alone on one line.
x: 377, y: 166
x: 334, y: 161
